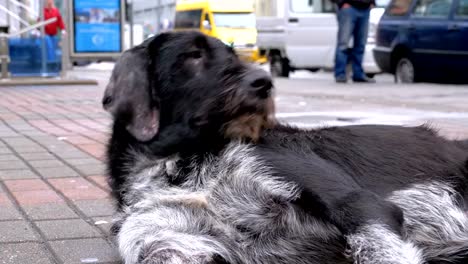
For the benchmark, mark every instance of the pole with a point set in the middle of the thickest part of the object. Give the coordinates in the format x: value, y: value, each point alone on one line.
x: 65, y: 45
x: 4, y: 55
x: 43, y: 43
x: 130, y: 17
x: 8, y: 16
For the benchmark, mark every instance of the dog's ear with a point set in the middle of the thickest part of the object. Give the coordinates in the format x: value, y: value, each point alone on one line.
x: 129, y: 96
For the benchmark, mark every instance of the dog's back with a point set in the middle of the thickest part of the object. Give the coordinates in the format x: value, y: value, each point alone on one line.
x: 379, y: 158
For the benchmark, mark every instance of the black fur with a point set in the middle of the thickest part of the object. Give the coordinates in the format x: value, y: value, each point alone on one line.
x: 193, y: 97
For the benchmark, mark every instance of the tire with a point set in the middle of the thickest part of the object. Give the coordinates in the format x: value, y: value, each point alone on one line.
x: 279, y: 67
x: 313, y: 69
x: 405, y: 71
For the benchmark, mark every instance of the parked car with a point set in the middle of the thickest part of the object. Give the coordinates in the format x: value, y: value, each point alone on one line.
x: 303, y: 36
x: 233, y: 22
x: 424, y: 40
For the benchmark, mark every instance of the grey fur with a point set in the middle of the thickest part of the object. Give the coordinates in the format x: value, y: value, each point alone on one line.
x: 231, y: 206
x: 434, y: 219
x: 241, y: 194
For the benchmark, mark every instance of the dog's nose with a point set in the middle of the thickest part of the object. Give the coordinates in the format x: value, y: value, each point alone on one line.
x: 260, y: 82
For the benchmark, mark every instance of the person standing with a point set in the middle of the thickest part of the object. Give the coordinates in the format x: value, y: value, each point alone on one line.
x: 51, y: 11
x: 353, y: 22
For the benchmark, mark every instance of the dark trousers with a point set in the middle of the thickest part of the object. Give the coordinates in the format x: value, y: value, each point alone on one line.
x: 352, y: 23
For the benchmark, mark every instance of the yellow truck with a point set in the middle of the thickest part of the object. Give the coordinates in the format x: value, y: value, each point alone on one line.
x: 233, y: 22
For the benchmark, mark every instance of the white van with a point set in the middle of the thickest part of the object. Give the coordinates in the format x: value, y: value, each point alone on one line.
x: 302, y: 35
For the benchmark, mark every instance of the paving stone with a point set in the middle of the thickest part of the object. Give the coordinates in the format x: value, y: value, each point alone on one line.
x: 4, y: 150
x: 9, y: 212
x: 12, y: 165
x: 78, y: 189
x: 46, y: 163
x: 79, y: 162
x: 16, y: 231
x: 17, y: 174
x: 8, y: 157
x: 30, y: 198
x: 33, y: 133
x: 28, y: 149
x: 100, y: 180
x: 37, y: 156
x: 103, y: 207
x: 7, y: 209
x: 26, y: 185
x: 73, y: 154
x: 24, y: 253
x: 75, y: 251
x: 20, y: 141
x: 49, y: 211
x: 57, y: 172
x: 61, y: 229
x: 104, y: 223
x: 7, y: 134
x: 89, y: 170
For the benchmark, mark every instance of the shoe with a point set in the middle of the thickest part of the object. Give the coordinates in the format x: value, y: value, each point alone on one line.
x: 364, y: 80
x: 341, y: 80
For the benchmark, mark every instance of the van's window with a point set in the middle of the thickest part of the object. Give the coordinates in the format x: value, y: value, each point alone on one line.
x: 302, y: 6
x: 234, y: 20
x: 398, y: 7
x: 328, y: 6
x: 382, y: 3
x: 432, y: 8
x: 188, y: 19
x: 462, y: 10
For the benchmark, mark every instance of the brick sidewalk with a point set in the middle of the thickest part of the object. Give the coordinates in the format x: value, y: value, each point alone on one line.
x: 54, y: 201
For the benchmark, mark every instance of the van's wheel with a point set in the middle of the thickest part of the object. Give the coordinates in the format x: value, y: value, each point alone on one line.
x: 279, y: 67
x: 405, y: 71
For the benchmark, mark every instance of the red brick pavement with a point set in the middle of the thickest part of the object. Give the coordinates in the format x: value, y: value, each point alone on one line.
x: 52, y: 184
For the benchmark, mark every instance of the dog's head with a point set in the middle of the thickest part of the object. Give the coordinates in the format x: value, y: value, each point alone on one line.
x: 192, y: 82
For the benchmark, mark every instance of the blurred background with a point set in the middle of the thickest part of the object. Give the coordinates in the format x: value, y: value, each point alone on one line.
x: 413, y: 40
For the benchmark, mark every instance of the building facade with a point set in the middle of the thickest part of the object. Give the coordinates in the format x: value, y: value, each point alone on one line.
x: 153, y: 14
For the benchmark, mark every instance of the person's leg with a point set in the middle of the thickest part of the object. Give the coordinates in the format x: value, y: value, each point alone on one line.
x: 360, y: 32
x: 346, y: 24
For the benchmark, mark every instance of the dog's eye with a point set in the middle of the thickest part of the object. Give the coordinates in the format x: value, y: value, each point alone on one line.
x: 196, y: 54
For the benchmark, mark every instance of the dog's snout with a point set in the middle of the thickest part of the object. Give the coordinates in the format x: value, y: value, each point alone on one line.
x: 261, y: 83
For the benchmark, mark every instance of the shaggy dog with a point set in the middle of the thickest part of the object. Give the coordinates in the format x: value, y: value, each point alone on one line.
x: 201, y: 173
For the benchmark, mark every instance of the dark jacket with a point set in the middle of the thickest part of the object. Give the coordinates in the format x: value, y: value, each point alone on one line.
x: 361, y: 4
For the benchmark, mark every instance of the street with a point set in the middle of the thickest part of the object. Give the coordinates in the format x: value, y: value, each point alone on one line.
x: 314, y: 100
x: 54, y: 199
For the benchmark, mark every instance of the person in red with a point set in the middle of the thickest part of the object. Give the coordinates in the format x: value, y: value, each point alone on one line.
x: 51, y: 11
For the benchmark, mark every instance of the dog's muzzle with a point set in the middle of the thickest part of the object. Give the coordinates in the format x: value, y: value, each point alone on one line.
x: 249, y: 125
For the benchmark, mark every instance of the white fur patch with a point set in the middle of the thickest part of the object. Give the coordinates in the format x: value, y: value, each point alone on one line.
x: 434, y: 218
x: 376, y: 244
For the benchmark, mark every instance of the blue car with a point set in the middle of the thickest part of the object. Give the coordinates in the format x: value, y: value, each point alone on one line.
x: 424, y: 40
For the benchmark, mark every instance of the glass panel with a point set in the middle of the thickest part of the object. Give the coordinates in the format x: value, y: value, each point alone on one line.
x: 433, y: 8
x: 398, y: 7
x: 26, y: 56
x: 235, y: 20
x: 382, y: 3
x: 328, y: 6
x: 188, y: 19
x: 462, y: 10
x: 302, y: 6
